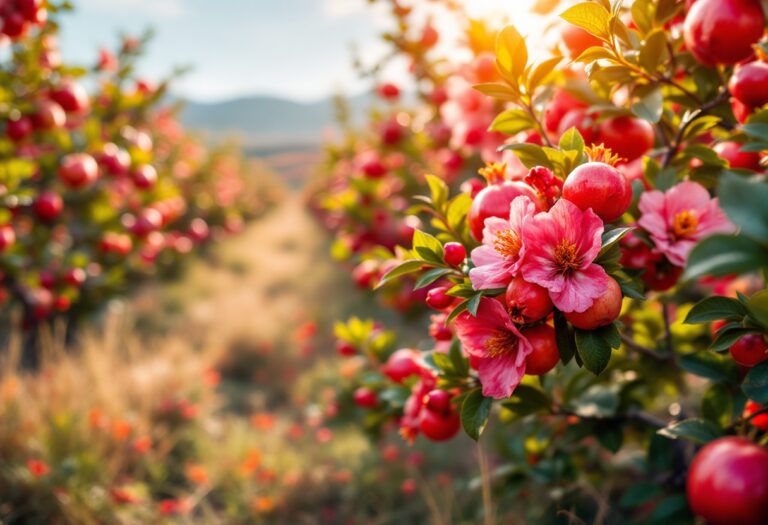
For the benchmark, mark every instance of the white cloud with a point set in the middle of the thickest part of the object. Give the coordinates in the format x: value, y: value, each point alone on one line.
x: 342, y: 8
x: 160, y: 8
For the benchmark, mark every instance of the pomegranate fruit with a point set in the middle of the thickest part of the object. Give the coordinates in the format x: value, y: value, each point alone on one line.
x: 723, y: 31
x: 750, y: 350
x: 603, y: 311
x: 599, y: 187
x: 747, y: 84
x: 545, y: 355
x: 628, y: 137
x: 527, y: 302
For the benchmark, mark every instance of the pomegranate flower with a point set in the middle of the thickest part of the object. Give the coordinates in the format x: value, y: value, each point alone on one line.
x: 679, y: 218
x: 499, y: 257
x: 495, y: 341
x: 561, y: 246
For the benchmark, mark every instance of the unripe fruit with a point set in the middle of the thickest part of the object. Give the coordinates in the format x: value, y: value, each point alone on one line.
x: 438, y: 427
x: 438, y: 299
x: 527, y: 302
x: 545, y: 355
x: 761, y: 420
x: 747, y: 84
x: 750, y: 350
x: 365, y: 397
x: 48, y: 205
x: 402, y: 364
x: 144, y: 176
x: 19, y: 129
x: 628, y: 137
x: 454, y: 253
x: 603, y: 311
x: 7, y: 237
x: 723, y: 31
x: 599, y: 187
x: 494, y: 201
x: 728, y: 482
x: 71, y: 96
x: 731, y: 151
x: 78, y: 170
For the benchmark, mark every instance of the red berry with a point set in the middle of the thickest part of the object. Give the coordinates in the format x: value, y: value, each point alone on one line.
x: 49, y: 115
x: 628, y: 137
x: 148, y: 221
x: 577, y: 40
x: 75, y: 277
x: 7, y: 237
x: 494, y: 201
x: 527, y: 302
x: 365, y: 397
x: 545, y: 355
x: 48, y: 205
x: 78, y: 170
x: 391, y: 133
x: 599, y: 187
x: 402, y: 364
x: 429, y: 36
x: 750, y: 350
x: 454, y: 253
x: 723, y: 31
x: 71, y: 96
x: 118, y: 243
x: 345, y: 348
x: 438, y: 299
x: 438, y: 401
x: 114, y: 160
x: 731, y: 151
x: 438, y: 427
x: 389, y: 91
x: 144, y: 176
x: 660, y: 274
x: 740, y: 111
x: 372, y: 166
x: 582, y: 121
x: 562, y: 102
x: 19, y: 129
x: 747, y: 84
x: 366, y: 273
x: 728, y: 482
x: 47, y: 279
x: 603, y: 311
x: 62, y: 303
x: 760, y: 421
x: 198, y: 229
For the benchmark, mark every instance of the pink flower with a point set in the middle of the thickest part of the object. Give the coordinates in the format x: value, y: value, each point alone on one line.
x: 502, y: 251
x: 495, y: 341
x: 681, y: 217
x: 561, y: 246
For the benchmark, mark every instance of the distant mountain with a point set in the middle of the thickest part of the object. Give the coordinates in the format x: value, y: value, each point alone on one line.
x: 265, y: 122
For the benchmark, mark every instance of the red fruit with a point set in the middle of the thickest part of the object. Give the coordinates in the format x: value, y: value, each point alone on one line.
x: 740, y: 111
x: 494, y: 201
x: 78, y: 170
x: 62, y: 303
x: 19, y: 129
x: 731, y: 151
x: 114, y: 160
x: 723, y: 31
x: 40, y: 303
x: 144, y: 176
x: 660, y: 274
x: 48, y: 205
x: 454, y: 253
x: 562, y: 102
x: 402, y: 364
x: 7, y: 237
x: 75, y: 277
x: 577, y: 40
x: 438, y: 299
x: 345, y: 349
x: 438, y: 401
x: 391, y: 133
x: 527, y: 302
x: 372, y: 167
x: 366, y: 273
x: 484, y: 68
x: 71, y: 96
x: 148, y: 221
x: 429, y: 36
x: 603, y: 311
x: 365, y: 397
x: 545, y: 355
x: 437, y: 427
x: 582, y: 121
x: 759, y: 421
x: 728, y: 482
x: 14, y: 24
x: 118, y: 243
x: 49, y: 115
x: 29, y: 9
x: 747, y: 84
x: 599, y: 187
x: 47, y: 279
x: 199, y: 230
x: 389, y: 91
x: 628, y: 137
x: 750, y: 350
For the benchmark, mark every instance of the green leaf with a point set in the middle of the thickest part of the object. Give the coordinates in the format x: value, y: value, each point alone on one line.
x: 541, y: 72
x: 709, y: 365
x: 725, y: 254
x: 512, y: 121
x: 639, y: 494
x: 498, y: 91
x: 439, y: 191
x: 713, y: 308
x: 697, y: 430
x: 460, y: 308
x: 593, y: 349
x: 459, y: 362
x: 428, y: 247
x: 458, y: 209
x: 511, y: 53
x: 757, y: 129
x: 475, y: 411
x: 589, y: 16
x: 474, y: 303
x: 599, y: 401
x: 611, y: 238
x: 530, y: 155
x: 755, y: 385
x: 758, y: 307
x: 595, y: 53
x: 566, y: 345
x: 572, y: 140
x: 527, y: 400
x: 744, y: 201
x: 727, y: 336
x: 717, y: 405
x: 650, y: 106
x: 406, y: 267
x: 610, y: 436
x: 431, y: 276
x: 654, y: 51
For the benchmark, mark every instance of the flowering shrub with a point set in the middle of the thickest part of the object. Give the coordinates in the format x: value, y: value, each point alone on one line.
x: 98, y: 189
x: 602, y: 292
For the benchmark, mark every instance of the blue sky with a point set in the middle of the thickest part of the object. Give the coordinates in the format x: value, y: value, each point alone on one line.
x: 295, y: 48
